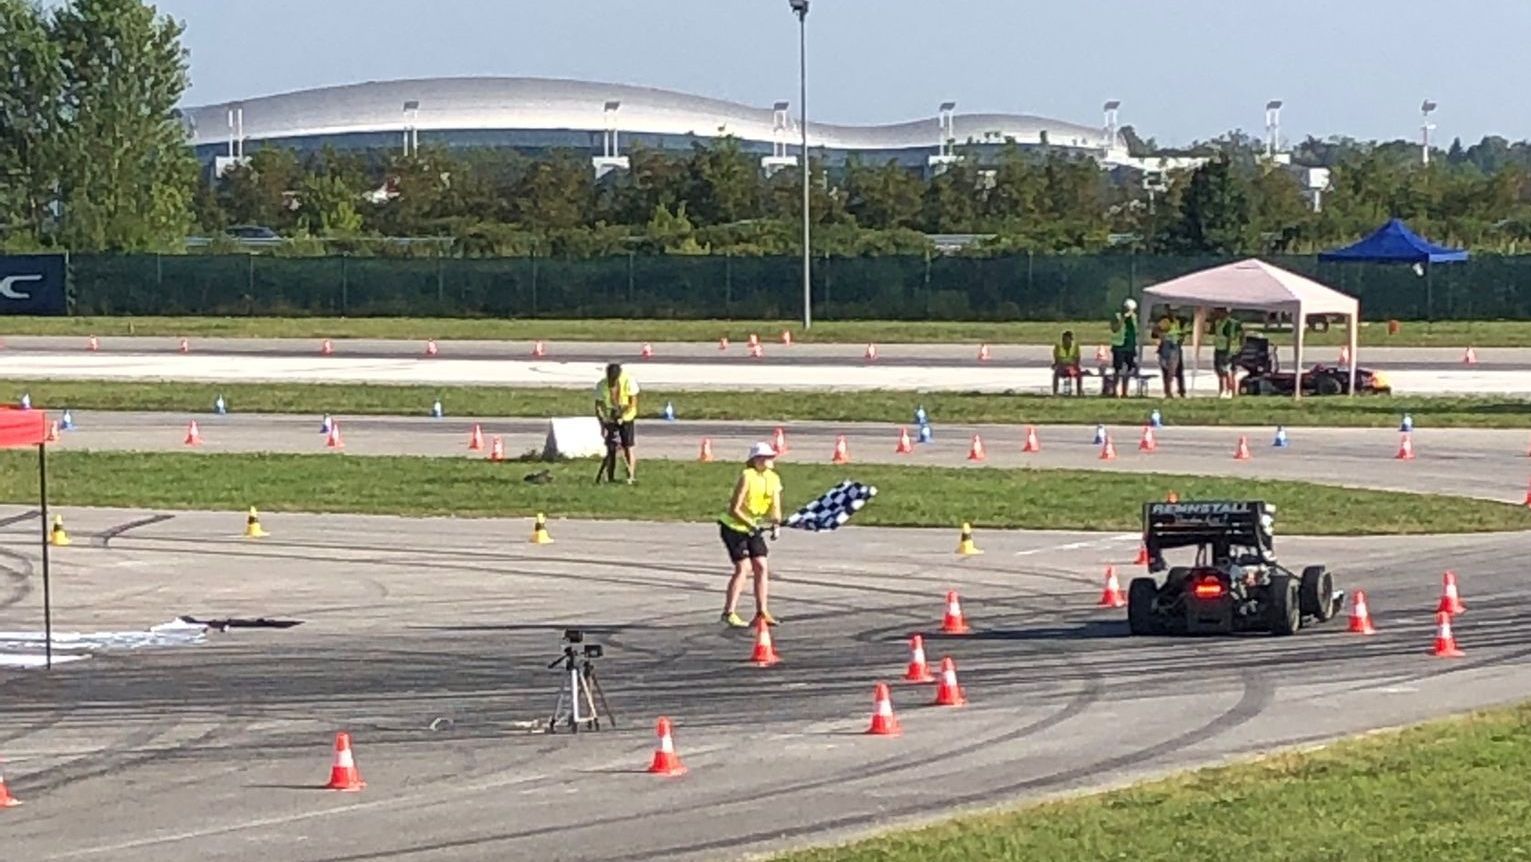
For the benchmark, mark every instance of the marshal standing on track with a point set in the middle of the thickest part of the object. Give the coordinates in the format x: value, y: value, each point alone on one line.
x: 756, y: 496
x: 616, y: 406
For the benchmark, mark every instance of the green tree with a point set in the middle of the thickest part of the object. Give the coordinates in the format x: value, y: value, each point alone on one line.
x: 883, y: 197
x: 1214, y: 213
x: 258, y: 191
x: 28, y: 122
x: 126, y: 172
x: 554, y: 194
x: 722, y: 183
x: 328, y: 206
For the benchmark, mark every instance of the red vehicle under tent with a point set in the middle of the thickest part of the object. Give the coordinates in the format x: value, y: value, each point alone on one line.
x: 20, y: 428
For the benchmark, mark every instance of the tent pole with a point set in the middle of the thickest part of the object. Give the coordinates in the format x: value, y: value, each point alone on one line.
x: 42, y: 493
x: 1355, y: 337
x: 1298, y: 325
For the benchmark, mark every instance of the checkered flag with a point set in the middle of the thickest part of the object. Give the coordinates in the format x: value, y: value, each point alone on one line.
x: 832, y: 509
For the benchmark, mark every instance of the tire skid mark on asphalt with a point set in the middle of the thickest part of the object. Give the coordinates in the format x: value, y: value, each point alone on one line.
x: 120, y: 753
x: 18, y: 580
x: 104, y: 537
x: 17, y: 519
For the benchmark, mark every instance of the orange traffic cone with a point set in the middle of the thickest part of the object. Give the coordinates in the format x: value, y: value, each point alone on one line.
x: 1405, y: 449
x: 871, y: 353
x: 497, y: 449
x: 333, y: 440
x: 1147, y: 442
x: 754, y: 340
x: 948, y: 692
x: 842, y: 451
x: 765, y: 651
x: 1033, y: 444
x: 757, y: 352
x: 905, y: 445
x: 326, y: 348
x: 430, y: 348
x: 476, y: 439
x: 954, y: 622
x: 983, y: 353
x: 344, y: 775
x: 648, y: 351
x: 1451, y: 602
x: 185, y: 346
x: 1172, y: 497
x: 1470, y: 357
x: 1360, y: 615
x: 1108, y: 450
x: 6, y: 799
x: 786, y: 337
x: 1111, y: 596
x: 1241, y: 452
x: 919, y: 669
x: 779, y: 441
x: 975, y: 451
x: 1445, y: 641
x: 93, y: 345
x: 666, y: 761
x: 52, y: 433
x: 1528, y: 496
x: 1142, y: 558
x: 705, y: 455
x: 883, y: 721
x: 722, y: 344
x: 539, y: 349
x: 193, y: 436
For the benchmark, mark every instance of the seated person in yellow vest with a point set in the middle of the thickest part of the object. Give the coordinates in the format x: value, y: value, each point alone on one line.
x: 1171, y: 332
x: 616, y: 406
x: 1124, y: 345
x: 756, y: 498
x: 1066, y: 362
x: 1227, y: 344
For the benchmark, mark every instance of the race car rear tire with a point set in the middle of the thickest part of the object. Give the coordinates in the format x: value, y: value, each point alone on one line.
x: 1317, y: 593
x: 1141, y: 620
x: 1286, y: 605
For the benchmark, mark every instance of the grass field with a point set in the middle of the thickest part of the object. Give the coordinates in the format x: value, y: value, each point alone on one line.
x: 1491, y: 333
x: 671, y: 490
x: 1445, y: 790
x: 876, y: 406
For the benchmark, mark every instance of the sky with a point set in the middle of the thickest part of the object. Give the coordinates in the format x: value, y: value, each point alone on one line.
x: 1183, y: 69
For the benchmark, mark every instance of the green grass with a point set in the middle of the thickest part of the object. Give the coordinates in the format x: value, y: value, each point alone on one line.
x: 1491, y: 333
x: 674, y: 490
x: 1445, y: 790
x: 874, y: 406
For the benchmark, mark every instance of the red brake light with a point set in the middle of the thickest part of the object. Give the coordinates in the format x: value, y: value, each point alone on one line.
x: 1208, y: 588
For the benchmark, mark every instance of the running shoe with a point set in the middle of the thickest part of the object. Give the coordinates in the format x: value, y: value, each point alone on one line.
x: 732, y: 620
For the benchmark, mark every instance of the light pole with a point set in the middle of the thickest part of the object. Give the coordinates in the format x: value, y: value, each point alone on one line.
x: 1425, y: 127
x: 800, y: 8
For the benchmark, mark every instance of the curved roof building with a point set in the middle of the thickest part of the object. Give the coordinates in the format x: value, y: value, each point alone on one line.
x: 538, y: 114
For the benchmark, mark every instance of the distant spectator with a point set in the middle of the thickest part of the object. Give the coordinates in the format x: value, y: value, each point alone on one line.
x: 1124, y: 345
x: 1066, y: 363
x: 1227, y: 344
x: 1171, y: 330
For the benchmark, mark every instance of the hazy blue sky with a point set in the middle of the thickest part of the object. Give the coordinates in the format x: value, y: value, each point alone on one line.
x: 1184, y: 69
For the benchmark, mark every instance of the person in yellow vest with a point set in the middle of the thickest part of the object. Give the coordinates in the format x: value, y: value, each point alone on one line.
x: 1066, y: 362
x: 1171, y: 332
x: 1227, y: 344
x: 755, y: 506
x: 616, y: 406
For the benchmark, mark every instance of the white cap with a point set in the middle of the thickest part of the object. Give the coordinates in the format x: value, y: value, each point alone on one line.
x: 761, y: 450
x: 1130, y: 304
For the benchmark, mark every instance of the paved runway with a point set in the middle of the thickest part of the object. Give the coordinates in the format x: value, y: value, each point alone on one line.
x: 1488, y: 463
x: 215, y: 751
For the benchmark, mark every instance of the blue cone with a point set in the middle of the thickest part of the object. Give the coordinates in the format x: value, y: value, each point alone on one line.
x: 220, y: 406
x: 326, y: 424
x: 669, y: 411
x: 66, y: 423
x: 26, y: 401
x: 1280, y: 442
x: 1100, y: 435
x: 1407, y: 424
x: 924, y: 436
x: 436, y: 411
x: 919, y: 416
x: 1156, y: 419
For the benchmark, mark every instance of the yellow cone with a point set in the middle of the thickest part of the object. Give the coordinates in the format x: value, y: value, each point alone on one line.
x: 252, y: 526
x: 57, y: 537
x: 965, y: 546
x: 540, y: 531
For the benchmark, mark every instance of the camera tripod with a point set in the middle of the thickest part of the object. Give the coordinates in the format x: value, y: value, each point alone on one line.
x: 607, y: 471
x: 578, y: 695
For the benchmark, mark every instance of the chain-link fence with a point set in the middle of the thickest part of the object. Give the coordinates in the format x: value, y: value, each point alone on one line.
x: 1038, y: 287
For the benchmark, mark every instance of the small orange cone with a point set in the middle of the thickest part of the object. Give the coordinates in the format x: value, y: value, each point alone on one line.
x: 1172, y: 497
x: 1451, y: 602
x: 757, y: 352
x: 476, y: 439
x: 52, y: 433
x: 754, y: 340
x: 705, y: 455
x: 1147, y: 443
x: 919, y: 669
x: 786, y: 337
x: 326, y: 348
x: 1470, y: 357
x: 1405, y: 449
x: 497, y: 449
x: 1445, y: 641
x: 6, y: 799
x: 975, y: 451
x: 666, y: 761
x: 93, y: 345
x: 779, y: 441
x: 1360, y: 615
x: 193, y: 436
x: 905, y: 445
x: 954, y: 623
x: 344, y: 775
x: 333, y: 440
x: 983, y: 353
x: 1241, y: 452
x: 1111, y: 596
x: 765, y: 651
x: 185, y: 346
x: 1142, y: 558
x: 871, y: 353
x: 842, y: 451
x: 884, y: 723
x: 722, y: 344
x: 1528, y: 496
x: 430, y: 348
x: 948, y: 692
x: 1033, y: 444
x: 539, y: 349
x: 648, y: 351
x: 1108, y: 450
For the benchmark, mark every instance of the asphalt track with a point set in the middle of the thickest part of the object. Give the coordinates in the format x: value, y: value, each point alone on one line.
x: 216, y: 751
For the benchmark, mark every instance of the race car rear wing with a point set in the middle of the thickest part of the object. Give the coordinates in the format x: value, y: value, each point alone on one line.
x: 1220, y: 524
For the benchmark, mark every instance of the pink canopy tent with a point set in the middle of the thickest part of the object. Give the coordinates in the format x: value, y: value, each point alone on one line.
x: 1257, y: 286
x: 30, y: 428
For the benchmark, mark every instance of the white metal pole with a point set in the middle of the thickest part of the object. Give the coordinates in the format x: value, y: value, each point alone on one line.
x: 802, y: 55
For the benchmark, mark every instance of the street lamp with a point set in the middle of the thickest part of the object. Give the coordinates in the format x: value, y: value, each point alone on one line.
x: 411, y: 128
x: 800, y: 8
x: 1273, y: 127
x: 1425, y: 110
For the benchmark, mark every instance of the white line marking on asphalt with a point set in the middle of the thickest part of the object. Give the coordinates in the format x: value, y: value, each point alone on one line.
x: 1078, y: 546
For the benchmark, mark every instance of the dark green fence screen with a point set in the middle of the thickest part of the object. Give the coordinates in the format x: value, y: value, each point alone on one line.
x: 1053, y: 287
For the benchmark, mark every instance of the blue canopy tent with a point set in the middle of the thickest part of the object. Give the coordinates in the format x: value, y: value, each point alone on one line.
x: 1395, y: 243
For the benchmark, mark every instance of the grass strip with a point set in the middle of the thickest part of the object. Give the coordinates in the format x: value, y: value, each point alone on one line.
x: 868, y: 406
x: 1435, y: 791
x: 684, y: 491
x: 1484, y: 333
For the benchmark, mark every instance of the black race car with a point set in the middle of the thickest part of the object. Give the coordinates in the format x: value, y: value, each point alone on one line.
x: 1263, y: 375
x: 1235, y: 584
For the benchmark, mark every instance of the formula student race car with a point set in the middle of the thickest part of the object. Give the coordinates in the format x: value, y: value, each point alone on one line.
x: 1235, y: 584
x: 1263, y: 375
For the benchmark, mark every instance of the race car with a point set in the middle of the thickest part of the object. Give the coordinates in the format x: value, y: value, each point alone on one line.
x: 1234, y: 583
x: 1263, y: 375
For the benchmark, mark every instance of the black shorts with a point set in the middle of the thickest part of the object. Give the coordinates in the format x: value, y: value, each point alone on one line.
x: 624, y: 432
x: 742, y: 546
x: 1222, y: 362
x: 1123, y: 360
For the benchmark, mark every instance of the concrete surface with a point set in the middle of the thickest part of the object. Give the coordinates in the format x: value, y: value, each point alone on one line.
x: 216, y: 751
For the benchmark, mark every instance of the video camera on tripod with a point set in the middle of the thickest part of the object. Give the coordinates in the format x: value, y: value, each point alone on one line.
x: 580, y: 691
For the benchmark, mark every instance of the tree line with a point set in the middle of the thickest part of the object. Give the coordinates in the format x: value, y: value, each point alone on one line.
x: 94, y: 158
